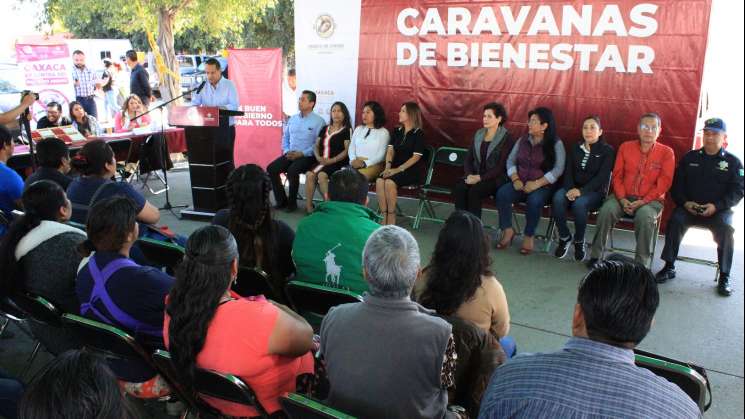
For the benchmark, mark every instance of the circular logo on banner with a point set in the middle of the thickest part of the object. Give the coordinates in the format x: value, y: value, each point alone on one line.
x: 324, y: 25
x: 453, y: 157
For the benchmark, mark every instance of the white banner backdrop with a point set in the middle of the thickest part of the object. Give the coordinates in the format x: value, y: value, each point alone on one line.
x: 327, y: 43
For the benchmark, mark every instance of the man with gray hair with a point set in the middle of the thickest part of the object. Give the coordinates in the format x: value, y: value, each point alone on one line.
x: 389, y: 357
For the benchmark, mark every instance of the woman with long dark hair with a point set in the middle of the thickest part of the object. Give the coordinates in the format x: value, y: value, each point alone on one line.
x: 331, y: 151
x: 458, y: 282
x: 84, y: 123
x: 403, y: 160
x: 76, y: 385
x: 206, y: 326
x: 535, y: 163
x: 263, y: 242
x: 39, y: 255
x: 586, y: 182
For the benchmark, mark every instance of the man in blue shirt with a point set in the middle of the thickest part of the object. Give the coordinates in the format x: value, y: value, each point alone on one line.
x: 297, y: 157
x: 220, y: 92
x: 11, y: 184
x: 594, y: 375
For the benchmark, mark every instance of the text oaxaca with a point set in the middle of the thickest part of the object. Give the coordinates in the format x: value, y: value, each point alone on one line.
x: 602, y: 22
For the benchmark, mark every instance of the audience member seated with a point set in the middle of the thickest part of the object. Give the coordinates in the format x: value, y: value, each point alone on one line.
x: 263, y: 242
x: 403, y: 160
x: 53, y: 118
x: 458, y: 281
x: 707, y: 185
x: 534, y: 165
x: 113, y: 289
x: 642, y: 174
x: 97, y: 166
x: 594, y: 375
x: 203, y: 321
x: 125, y: 119
x: 369, y: 142
x: 298, y: 139
x: 328, y: 243
x: 11, y: 183
x: 485, y: 165
x: 11, y: 391
x: 53, y: 157
x: 412, y: 365
x: 39, y: 255
x: 86, y: 124
x: 331, y: 152
x: 586, y: 181
x: 76, y: 385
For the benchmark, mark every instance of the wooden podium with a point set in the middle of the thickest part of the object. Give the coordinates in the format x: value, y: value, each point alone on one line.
x: 210, y: 155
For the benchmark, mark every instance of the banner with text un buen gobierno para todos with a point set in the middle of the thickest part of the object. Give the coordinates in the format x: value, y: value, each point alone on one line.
x: 257, y: 74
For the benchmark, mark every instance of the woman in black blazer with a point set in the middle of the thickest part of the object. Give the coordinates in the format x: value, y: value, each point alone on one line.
x: 586, y: 180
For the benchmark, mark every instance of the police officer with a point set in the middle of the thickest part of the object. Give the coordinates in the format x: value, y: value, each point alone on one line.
x: 708, y: 183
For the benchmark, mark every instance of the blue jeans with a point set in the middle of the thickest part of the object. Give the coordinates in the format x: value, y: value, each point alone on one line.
x: 581, y: 207
x: 509, y: 346
x: 507, y: 195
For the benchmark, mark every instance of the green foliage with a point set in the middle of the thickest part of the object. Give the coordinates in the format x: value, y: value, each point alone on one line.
x: 274, y: 28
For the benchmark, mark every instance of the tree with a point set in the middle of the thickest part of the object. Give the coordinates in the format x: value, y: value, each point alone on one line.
x: 170, y: 17
x: 274, y: 28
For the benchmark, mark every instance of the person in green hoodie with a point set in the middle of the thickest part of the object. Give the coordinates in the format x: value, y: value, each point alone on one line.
x: 328, y: 243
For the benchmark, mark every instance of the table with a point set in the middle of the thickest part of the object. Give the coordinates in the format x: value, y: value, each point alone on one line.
x: 122, y: 143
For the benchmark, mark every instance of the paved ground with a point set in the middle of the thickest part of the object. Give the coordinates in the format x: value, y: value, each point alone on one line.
x: 693, y: 323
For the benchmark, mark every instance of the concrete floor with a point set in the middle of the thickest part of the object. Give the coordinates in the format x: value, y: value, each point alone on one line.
x: 693, y: 323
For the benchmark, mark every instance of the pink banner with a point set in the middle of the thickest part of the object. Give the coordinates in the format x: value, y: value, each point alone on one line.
x: 47, y: 70
x: 257, y: 74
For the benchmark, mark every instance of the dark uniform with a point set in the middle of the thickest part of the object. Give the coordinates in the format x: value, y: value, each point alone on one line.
x: 705, y: 179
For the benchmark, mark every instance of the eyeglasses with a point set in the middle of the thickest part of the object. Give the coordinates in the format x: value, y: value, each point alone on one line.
x: 645, y: 127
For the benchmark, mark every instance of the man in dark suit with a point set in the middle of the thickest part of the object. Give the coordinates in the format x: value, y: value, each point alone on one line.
x: 139, y: 80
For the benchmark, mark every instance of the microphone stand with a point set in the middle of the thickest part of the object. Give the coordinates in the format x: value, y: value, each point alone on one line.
x: 27, y: 126
x: 164, y: 149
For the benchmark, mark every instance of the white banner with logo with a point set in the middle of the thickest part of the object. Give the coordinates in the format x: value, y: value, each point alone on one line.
x: 327, y: 43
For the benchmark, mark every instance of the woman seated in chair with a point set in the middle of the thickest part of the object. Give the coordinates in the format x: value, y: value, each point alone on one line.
x: 485, y: 165
x: 39, y: 255
x: 331, y: 151
x: 114, y: 289
x: 204, y: 319
x: 403, y: 161
x: 132, y: 107
x: 535, y: 163
x: 369, y: 142
x: 586, y: 182
x: 264, y: 243
x: 84, y: 123
x: 458, y: 281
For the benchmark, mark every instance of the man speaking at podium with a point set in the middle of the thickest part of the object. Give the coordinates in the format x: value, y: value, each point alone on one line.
x: 218, y: 91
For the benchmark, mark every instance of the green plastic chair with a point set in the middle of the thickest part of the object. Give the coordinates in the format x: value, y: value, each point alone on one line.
x: 444, y: 156
x: 161, y: 253
x: 297, y: 406
x: 692, y: 379
x: 313, y: 301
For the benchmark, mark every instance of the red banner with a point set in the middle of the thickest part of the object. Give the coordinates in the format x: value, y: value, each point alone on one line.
x: 617, y: 60
x: 257, y: 74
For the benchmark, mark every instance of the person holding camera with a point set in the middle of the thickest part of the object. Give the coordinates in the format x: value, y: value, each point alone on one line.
x: 27, y: 99
x: 707, y: 185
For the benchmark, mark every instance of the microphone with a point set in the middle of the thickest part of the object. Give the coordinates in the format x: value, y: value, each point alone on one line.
x: 201, y: 86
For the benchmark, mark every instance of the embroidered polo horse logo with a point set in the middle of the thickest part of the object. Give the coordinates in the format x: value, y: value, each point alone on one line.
x: 333, y: 271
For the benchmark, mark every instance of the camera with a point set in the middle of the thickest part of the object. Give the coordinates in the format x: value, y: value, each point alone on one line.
x: 29, y: 92
x: 700, y: 209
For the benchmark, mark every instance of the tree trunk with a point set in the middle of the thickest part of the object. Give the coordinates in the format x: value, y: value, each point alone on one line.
x: 169, y: 88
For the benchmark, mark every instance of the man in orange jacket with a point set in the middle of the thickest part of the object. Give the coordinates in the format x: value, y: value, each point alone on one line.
x: 642, y: 174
